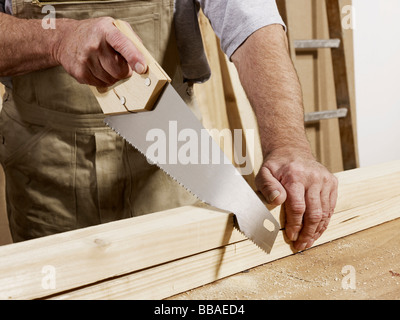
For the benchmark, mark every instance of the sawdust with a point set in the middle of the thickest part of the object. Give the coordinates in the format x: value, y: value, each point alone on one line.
x: 321, y: 273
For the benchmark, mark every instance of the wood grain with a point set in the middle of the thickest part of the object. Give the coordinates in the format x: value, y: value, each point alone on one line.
x: 342, y: 85
x: 5, y: 236
x: 114, y: 252
x: 241, y: 117
x: 210, y: 95
x: 321, y: 273
x: 178, y: 276
x: 309, y: 20
x: 88, y: 255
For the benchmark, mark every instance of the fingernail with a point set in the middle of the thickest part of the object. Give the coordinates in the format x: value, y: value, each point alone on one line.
x: 139, y: 68
x: 301, y: 246
x: 273, y: 195
x: 102, y: 90
x: 294, y: 236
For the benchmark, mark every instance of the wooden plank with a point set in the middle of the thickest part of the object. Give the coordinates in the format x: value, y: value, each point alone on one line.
x: 178, y: 276
x: 284, y: 10
x: 308, y: 20
x: 210, y: 95
x: 342, y: 86
x: 362, y: 186
x: 241, y: 117
x: 88, y: 255
x: 2, y: 90
x: 5, y: 236
x: 321, y: 273
x: 119, y: 249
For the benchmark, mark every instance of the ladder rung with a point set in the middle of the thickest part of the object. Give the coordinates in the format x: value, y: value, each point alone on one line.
x: 324, y: 115
x: 316, y: 44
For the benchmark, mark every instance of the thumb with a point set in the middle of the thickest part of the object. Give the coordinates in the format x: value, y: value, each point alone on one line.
x: 121, y: 43
x: 270, y: 187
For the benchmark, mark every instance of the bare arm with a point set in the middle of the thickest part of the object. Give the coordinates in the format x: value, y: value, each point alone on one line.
x: 273, y: 88
x: 25, y: 46
x: 93, y: 51
x: 290, y: 174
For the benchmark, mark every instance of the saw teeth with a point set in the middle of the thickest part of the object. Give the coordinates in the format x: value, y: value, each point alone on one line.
x: 255, y: 243
x: 183, y: 186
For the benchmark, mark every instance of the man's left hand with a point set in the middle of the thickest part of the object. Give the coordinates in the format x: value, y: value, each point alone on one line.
x: 307, y: 190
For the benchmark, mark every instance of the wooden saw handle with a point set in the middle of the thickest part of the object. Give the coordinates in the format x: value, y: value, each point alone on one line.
x: 137, y: 93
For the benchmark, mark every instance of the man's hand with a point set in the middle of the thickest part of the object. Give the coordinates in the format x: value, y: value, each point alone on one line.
x: 307, y: 190
x: 95, y: 52
x: 290, y: 174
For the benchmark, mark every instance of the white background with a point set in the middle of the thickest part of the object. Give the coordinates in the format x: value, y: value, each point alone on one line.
x: 377, y: 79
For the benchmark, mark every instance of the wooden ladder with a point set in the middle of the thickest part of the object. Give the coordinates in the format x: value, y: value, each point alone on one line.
x: 336, y: 45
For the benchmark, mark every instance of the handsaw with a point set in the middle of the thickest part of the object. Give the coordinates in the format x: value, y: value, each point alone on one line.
x: 145, y: 110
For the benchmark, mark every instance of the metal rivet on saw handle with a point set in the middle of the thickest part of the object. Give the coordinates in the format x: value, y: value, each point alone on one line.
x: 122, y: 100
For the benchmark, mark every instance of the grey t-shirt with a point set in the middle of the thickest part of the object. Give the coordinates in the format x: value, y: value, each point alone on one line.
x: 5, y: 6
x: 232, y: 20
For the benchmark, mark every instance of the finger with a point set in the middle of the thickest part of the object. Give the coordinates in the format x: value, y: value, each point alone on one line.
x: 332, y: 204
x: 121, y: 43
x: 98, y: 71
x: 114, y: 64
x: 295, y: 207
x: 85, y: 76
x: 95, y: 81
x: 312, y: 218
x: 326, y: 209
x: 334, y: 194
x: 270, y: 187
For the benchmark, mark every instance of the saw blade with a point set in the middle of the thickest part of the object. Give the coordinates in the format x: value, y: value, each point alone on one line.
x: 169, y: 136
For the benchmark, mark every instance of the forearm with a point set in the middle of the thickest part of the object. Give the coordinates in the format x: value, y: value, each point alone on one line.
x: 25, y: 46
x: 93, y: 51
x: 271, y: 83
x: 290, y: 175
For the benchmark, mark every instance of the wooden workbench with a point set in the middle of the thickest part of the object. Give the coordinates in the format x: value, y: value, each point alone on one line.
x: 317, y: 273
x: 161, y: 255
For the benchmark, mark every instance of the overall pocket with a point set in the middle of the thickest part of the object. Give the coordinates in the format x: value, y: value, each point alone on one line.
x: 143, y: 15
x: 17, y: 139
x: 39, y: 166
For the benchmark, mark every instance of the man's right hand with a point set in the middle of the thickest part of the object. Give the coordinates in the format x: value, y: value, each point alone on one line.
x: 95, y: 52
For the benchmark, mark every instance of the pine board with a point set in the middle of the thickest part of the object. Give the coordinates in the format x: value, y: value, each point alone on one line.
x: 165, y: 253
x: 179, y: 276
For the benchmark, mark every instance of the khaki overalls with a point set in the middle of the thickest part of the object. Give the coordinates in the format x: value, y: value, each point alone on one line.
x: 64, y: 168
